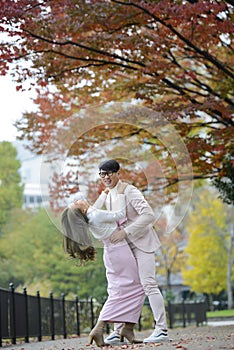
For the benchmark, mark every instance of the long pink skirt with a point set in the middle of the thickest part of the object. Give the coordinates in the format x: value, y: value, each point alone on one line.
x: 125, y: 293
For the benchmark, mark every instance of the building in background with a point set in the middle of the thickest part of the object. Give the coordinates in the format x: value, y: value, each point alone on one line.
x: 36, y: 174
x: 35, y: 184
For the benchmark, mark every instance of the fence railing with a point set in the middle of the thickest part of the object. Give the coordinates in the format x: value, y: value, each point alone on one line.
x: 24, y: 316
x: 185, y: 313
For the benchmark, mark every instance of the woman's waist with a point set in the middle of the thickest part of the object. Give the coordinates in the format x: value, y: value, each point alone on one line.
x: 107, y: 243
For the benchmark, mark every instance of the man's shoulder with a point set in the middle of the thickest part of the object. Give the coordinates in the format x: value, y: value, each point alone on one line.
x: 131, y: 189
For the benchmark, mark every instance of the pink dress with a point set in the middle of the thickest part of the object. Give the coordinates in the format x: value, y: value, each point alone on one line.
x: 125, y: 293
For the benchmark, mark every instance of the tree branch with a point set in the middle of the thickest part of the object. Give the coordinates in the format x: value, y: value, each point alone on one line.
x: 203, y: 53
x: 85, y: 47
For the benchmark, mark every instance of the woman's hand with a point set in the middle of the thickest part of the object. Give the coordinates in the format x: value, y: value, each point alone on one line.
x: 81, y: 204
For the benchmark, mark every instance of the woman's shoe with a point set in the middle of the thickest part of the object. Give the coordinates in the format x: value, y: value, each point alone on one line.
x: 97, y: 334
x: 127, y: 332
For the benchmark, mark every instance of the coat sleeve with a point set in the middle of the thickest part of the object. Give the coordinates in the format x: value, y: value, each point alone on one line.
x: 145, y: 215
x: 100, y: 201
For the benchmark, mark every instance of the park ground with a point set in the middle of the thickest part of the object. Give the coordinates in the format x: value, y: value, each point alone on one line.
x: 213, y: 336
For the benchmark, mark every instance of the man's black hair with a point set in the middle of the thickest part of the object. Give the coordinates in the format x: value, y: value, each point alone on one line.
x: 109, y: 165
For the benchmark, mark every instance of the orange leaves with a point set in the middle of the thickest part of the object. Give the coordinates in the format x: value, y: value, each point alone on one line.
x: 170, y: 56
x: 61, y: 188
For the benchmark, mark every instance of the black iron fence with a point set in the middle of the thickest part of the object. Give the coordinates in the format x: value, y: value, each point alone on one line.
x: 185, y: 313
x: 23, y: 316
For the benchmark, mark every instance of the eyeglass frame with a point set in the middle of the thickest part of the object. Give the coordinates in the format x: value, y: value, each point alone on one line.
x: 108, y: 173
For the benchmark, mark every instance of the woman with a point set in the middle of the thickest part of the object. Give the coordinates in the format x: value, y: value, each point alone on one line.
x: 125, y: 293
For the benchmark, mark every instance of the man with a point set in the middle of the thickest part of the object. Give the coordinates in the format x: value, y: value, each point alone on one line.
x: 142, y: 239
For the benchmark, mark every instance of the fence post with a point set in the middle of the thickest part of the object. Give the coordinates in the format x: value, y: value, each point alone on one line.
x: 139, y: 324
x: 183, y: 314
x: 92, y: 313
x: 12, y: 314
x: 52, y: 315
x: 77, y: 315
x: 39, y: 337
x: 64, y: 316
x: 26, y: 337
x: 170, y: 314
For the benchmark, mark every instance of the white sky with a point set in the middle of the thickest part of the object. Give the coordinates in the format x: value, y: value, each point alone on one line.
x: 12, y: 104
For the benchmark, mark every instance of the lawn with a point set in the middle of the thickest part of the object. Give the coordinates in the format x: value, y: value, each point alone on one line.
x: 220, y: 313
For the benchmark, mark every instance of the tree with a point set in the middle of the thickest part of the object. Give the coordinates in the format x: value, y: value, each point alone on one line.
x: 11, y: 188
x: 210, y: 247
x: 225, y: 183
x: 175, y: 58
x: 171, y: 257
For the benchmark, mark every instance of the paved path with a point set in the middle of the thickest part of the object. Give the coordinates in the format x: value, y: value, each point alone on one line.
x: 190, y: 338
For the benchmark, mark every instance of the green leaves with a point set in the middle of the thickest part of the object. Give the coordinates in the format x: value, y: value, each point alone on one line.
x: 11, y: 189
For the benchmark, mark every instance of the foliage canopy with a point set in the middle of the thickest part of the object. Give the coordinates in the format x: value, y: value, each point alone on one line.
x: 173, y: 57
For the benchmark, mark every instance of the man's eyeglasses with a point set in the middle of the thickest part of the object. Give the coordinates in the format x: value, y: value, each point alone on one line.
x: 103, y: 174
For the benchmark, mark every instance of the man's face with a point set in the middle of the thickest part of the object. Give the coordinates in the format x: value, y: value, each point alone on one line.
x: 109, y: 178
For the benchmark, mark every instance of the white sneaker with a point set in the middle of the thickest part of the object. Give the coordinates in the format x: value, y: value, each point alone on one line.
x: 157, y: 336
x: 113, y: 338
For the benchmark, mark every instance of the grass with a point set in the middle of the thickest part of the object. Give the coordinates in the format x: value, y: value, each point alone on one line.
x: 220, y: 313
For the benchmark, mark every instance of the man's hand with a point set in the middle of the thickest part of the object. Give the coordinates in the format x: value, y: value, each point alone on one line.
x: 117, y: 236
x: 81, y: 204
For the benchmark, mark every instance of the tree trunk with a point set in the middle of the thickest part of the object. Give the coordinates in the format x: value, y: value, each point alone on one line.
x: 168, y: 279
x: 211, y: 302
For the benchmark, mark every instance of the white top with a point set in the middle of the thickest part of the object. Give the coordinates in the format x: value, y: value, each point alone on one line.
x: 102, y: 223
x: 112, y: 198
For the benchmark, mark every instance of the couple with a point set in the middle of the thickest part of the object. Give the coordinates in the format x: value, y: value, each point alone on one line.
x: 128, y: 254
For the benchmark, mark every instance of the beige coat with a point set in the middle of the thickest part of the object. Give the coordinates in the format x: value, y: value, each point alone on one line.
x: 140, y: 220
